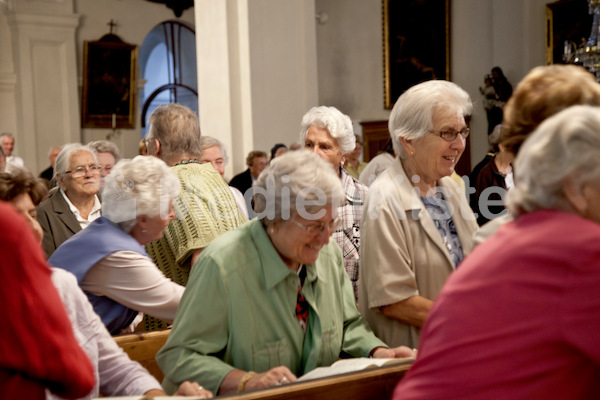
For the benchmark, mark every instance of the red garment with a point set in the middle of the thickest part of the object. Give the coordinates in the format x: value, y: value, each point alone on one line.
x: 519, y: 319
x: 37, y: 347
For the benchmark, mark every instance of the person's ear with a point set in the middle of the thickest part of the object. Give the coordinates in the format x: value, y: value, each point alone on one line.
x: 575, y: 196
x: 408, y: 146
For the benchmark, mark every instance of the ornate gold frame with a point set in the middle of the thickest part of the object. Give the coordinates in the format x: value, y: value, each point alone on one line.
x: 109, y: 84
x: 437, y: 33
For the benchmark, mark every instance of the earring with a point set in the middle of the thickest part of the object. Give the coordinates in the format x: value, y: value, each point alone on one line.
x: 412, y: 153
x: 144, y: 230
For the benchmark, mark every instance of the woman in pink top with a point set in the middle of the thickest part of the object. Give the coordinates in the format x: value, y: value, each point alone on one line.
x: 520, y: 318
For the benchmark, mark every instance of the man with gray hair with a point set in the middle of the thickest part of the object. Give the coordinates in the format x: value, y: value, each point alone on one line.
x: 328, y: 133
x: 205, y: 208
x: 12, y: 162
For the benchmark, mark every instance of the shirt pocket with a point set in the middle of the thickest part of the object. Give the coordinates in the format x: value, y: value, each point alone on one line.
x: 268, y: 355
x: 331, y: 346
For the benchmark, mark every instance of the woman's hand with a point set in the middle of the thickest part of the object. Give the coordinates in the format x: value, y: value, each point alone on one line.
x: 396, y: 352
x: 273, y: 377
x: 193, y: 389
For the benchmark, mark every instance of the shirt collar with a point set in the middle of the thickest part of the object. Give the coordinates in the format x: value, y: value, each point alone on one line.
x: 273, y: 268
x: 97, y: 205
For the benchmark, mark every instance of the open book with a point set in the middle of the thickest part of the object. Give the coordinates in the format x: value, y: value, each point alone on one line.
x: 352, y: 365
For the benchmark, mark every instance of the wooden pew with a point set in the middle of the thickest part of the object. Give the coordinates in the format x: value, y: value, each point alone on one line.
x: 369, y: 384
x: 143, y: 346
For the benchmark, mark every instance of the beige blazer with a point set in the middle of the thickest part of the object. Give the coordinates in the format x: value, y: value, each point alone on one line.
x: 402, y: 252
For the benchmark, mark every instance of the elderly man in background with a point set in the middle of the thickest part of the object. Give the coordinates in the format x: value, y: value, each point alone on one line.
x: 256, y: 162
x: 214, y: 152
x: 205, y: 208
x: 8, y: 144
x: 328, y: 133
x: 48, y: 173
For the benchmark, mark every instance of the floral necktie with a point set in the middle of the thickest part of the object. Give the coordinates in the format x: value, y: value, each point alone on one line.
x: 301, y: 303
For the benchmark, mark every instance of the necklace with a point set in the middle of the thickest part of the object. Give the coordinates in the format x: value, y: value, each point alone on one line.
x: 190, y: 161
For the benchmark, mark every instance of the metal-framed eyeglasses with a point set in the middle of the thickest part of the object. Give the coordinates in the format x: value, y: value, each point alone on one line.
x: 82, y: 171
x: 450, y: 135
x: 319, y: 227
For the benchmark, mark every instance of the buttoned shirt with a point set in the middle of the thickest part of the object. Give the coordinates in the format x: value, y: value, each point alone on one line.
x: 93, y: 215
x: 239, y: 311
x: 348, y: 235
x: 403, y: 253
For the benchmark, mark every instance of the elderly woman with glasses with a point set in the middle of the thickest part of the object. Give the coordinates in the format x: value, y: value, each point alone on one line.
x: 75, y: 204
x: 108, y: 258
x: 417, y: 223
x: 271, y: 300
x: 520, y: 318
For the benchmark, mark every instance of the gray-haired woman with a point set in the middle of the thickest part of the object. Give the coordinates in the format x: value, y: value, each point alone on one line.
x: 108, y: 257
x: 75, y: 204
x: 531, y: 289
x: 272, y: 296
x: 417, y: 223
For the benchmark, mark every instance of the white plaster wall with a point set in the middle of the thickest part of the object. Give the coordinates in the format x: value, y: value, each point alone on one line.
x: 484, y: 33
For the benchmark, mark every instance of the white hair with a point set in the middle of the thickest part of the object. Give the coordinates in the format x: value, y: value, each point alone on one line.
x: 209, y: 141
x: 295, y: 178
x: 565, y: 146
x: 337, y: 124
x: 412, y: 115
x: 144, y: 185
x: 66, y: 153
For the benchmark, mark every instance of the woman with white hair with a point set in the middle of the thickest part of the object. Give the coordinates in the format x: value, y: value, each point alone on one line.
x: 108, y: 155
x: 272, y: 296
x: 417, y: 223
x: 108, y: 257
x: 520, y: 318
x: 328, y: 133
x: 75, y: 204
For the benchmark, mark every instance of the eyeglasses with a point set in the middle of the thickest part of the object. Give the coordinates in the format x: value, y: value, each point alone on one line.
x: 81, y: 171
x: 450, y: 135
x: 319, y: 227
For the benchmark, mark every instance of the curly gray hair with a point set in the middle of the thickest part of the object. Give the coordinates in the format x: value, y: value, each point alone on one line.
x: 337, y: 124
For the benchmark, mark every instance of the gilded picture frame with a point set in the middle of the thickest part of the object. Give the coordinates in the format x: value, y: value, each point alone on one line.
x: 416, y: 44
x: 109, y: 84
x: 566, y: 20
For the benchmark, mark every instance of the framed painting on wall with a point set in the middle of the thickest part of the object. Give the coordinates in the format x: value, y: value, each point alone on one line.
x: 109, y: 84
x: 569, y: 23
x: 416, y: 43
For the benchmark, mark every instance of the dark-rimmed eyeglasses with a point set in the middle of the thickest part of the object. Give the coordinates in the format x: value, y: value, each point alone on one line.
x: 81, y: 171
x: 319, y: 227
x: 450, y: 134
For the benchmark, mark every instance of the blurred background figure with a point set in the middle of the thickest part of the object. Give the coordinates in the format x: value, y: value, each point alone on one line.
x: 328, y: 133
x: 48, y: 173
x: 378, y: 164
x: 489, y: 100
x: 256, y: 162
x: 353, y: 164
x: 295, y: 146
x: 108, y: 257
x: 280, y: 275
x: 417, y: 223
x: 496, y: 175
x: 142, y: 149
x: 503, y: 90
x: 550, y: 255
x: 214, y: 152
x: 278, y: 150
x: 13, y: 162
x: 75, y: 204
x: 107, y: 153
x: 2, y: 160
